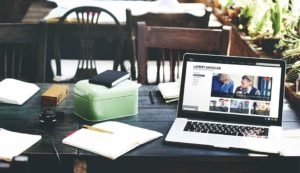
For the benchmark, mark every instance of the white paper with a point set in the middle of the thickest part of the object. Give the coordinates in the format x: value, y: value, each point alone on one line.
x: 124, y: 138
x: 14, y: 143
x: 17, y: 92
x: 291, y: 143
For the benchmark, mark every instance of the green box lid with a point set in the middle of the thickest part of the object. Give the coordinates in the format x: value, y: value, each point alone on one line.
x: 91, y: 91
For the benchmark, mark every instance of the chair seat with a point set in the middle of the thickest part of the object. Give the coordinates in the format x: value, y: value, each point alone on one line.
x: 69, y: 67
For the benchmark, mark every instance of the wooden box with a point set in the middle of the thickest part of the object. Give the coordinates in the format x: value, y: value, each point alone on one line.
x: 292, y: 97
x: 54, y: 94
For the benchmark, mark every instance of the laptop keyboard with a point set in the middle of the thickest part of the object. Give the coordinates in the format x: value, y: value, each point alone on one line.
x: 226, y: 129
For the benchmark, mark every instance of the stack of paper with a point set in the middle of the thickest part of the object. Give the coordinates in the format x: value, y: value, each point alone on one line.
x: 17, y: 92
x: 169, y: 91
x: 14, y: 143
x: 110, y: 139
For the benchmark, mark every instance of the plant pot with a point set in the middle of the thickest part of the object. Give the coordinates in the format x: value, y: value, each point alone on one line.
x: 243, y: 24
x: 268, y: 45
x: 216, y: 4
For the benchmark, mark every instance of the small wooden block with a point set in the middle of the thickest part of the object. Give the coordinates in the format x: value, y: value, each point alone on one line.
x: 54, y: 95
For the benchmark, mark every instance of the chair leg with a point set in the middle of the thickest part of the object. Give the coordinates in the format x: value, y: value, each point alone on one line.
x: 178, y: 64
x: 133, y: 58
x: 163, y: 64
x: 171, y: 65
x: 19, y: 71
x: 158, y: 61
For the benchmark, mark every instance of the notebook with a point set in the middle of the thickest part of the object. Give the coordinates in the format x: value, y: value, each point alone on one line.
x: 169, y: 91
x: 111, y: 139
x: 230, y: 102
x: 109, y: 78
x: 14, y: 91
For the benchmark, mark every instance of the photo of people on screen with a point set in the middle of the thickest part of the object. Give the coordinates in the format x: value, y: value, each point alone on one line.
x: 260, y: 108
x: 241, y: 86
x: 246, y: 89
x: 239, y: 106
x: 222, y: 85
x: 221, y: 105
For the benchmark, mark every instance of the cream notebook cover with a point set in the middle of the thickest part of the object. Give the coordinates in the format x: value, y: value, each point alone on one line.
x: 169, y: 91
x: 124, y: 138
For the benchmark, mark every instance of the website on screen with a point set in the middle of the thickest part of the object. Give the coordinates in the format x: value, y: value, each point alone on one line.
x: 249, y: 90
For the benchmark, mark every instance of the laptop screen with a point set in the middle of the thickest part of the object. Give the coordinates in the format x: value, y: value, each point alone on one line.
x: 234, y: 89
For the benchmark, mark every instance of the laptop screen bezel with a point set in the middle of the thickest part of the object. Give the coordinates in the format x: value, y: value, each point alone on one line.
x: 230, y: 117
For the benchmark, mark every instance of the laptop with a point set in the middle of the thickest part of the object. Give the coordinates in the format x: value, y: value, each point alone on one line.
x: 230, y: 102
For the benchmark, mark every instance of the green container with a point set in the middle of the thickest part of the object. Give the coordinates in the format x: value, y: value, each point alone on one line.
x: 94, y: 102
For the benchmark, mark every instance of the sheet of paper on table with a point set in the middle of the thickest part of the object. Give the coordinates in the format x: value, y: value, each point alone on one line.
x: 291, y: 143
x: 14, y: 143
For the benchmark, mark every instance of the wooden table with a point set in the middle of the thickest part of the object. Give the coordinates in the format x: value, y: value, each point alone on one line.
x: 52, y: 9
x: 155, y: 156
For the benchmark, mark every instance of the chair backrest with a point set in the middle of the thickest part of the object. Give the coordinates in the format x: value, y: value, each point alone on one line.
x: 85, y: 27
x: 161, y: 19
x: 215, y: 41
x: 23, y: 51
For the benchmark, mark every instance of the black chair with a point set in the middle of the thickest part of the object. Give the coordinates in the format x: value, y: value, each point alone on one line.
x: 83, y: 31
x: 23, y: 51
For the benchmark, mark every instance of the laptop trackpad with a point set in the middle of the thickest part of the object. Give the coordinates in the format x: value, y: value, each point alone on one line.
x: 223, y: 141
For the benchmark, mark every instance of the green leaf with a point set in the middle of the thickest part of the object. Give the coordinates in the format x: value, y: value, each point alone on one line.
x: 276, y: 18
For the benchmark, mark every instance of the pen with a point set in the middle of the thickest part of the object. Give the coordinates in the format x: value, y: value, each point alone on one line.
x: 171, y: 100
x: 151, y: 97
x: 97, y: 129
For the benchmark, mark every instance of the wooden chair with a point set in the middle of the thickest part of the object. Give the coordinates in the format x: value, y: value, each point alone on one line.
x: 214, y: 41
x: 87, y: 30
x: 23, y: 51
x: 161, y: 19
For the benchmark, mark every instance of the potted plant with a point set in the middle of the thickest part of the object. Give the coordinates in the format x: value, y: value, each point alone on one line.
x: 225, y: 5
x: 265, y: 26
x: 268, y: 44
x: 288, y: 48
x: 247, y: 8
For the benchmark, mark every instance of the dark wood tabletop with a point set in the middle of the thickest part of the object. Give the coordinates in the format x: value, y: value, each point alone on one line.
x: 155, y: 156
